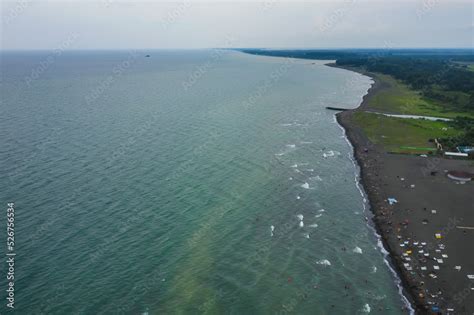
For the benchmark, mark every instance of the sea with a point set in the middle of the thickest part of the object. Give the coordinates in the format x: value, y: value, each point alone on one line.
x: 184, y: 182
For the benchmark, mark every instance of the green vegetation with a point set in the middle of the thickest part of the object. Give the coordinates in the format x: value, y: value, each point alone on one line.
x: 443, y: 81
x: 465, y: 136
x: 466, y: 65
x: 397, y: 97
x: 427, y: 82
x: 402, y: 135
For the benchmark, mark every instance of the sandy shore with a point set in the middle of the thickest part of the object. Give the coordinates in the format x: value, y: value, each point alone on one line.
x: 427, y: 265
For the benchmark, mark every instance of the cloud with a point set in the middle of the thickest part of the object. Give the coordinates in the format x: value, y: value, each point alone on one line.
x: 117, y: 24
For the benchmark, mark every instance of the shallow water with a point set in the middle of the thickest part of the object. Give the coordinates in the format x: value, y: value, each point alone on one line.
x: 188, y: 182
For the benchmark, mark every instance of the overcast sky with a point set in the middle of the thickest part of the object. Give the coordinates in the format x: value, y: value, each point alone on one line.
x: 116, y: 24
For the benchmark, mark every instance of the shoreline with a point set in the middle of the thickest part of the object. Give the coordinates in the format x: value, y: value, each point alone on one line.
x: 381, y: 177
x: 356, y: 144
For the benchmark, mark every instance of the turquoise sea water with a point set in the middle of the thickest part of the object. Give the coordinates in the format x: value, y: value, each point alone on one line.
x: 190, y: 182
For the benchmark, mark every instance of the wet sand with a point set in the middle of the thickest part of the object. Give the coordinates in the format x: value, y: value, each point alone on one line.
x: 408, y: 227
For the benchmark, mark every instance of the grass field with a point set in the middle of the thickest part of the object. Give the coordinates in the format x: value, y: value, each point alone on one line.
x: 398, y: 98
x: 402, y: 135
x: 468, y: 65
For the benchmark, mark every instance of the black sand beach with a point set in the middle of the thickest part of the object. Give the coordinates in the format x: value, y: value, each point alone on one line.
x: 427, y: 203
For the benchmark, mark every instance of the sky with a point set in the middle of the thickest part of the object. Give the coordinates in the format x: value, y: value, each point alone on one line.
x: 191, y: 24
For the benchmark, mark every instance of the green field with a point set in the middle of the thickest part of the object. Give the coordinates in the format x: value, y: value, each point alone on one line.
x: 397, y: 97
x: 402, y: 135
x: 468, y: 65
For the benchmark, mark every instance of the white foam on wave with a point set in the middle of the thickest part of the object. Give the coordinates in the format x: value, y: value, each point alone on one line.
x: 331, y: 153
x: 366, y: 308
x: 306, y: 142
x: 292, y: 146
x: 324, y: 262
x: 294, y: 166
x: 357, y: 250
x: 382, y: 249
x: 317, y: 178
x: 305, y: 186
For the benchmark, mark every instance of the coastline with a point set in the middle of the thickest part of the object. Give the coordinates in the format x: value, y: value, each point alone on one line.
x: 380, y: 175
x: 359, y: 143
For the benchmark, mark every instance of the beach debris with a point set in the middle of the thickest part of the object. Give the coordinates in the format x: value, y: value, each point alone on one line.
x: 438, y: 236
x: 423, y: 268
x: 357, y: 250
x: 402, y: 179
x: 412, y: 185
x: 305, y: 186
x: 423, y: 243
x: 436, y: 267
x: 432, y: 275
x: 374, y: 269
x: 306, y: 235
x: 298, y: 197
x: 444, y: 256
x: 318, y: 215
x: 272, y: 228
x: 313, y: 225
x: 321, y: 210
x: 433, y: 211
x: 392, y: 201
x: 301, y: 224
x: 424, y: 155
x: 324, y: 262
x: 470, y: 277
x: 458, y: 268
